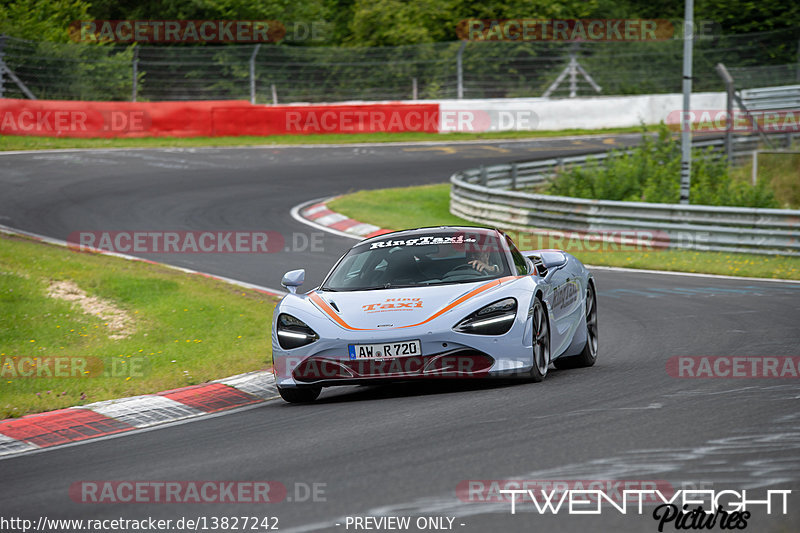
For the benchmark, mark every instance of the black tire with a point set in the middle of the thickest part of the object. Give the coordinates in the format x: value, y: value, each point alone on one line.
x: 588, y: 355
x: 541, y: 341
x: 300, y: 394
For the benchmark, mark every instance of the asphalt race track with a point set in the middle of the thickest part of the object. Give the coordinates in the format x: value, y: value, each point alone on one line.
x: 403, y: 450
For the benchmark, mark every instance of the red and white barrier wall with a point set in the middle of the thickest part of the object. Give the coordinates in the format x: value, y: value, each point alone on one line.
x: 56, y: 118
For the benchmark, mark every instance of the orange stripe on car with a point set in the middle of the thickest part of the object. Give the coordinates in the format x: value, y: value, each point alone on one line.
x: 325, y: 308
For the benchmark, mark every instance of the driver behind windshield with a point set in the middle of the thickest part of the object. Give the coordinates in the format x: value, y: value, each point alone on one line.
x: 480, y: 261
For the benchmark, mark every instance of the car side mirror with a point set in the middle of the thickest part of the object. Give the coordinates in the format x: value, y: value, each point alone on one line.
x: 553, y: 259
x: 293, y: 279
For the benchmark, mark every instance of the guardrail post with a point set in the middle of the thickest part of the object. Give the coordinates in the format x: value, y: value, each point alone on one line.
x: 513, y: 176
x: 484, y: 176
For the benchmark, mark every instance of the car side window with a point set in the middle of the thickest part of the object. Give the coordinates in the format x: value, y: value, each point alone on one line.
x: 519, y: 260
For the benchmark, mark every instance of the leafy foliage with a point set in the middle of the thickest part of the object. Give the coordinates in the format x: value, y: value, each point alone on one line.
x: 651, y: 173
x: 389, y: 22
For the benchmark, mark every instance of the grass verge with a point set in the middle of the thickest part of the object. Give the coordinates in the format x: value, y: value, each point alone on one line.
x: 24, y: 142
x: 429, y: 205
x: 781, y: 170
x: 184, y: 329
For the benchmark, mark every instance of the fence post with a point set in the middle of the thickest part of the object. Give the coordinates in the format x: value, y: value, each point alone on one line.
x: 135, y: 73
x: 728, y: 79
x: 413, y: 88
x: 573, y: 74
x: 460, y: 70
x: 686, y: 126
x: 253, y: 74
x: 2, y: 62
x: 274, y: 94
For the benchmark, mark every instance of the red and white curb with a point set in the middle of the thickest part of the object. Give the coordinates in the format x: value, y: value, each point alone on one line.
x: 317, y: 214
x: 85, y: 422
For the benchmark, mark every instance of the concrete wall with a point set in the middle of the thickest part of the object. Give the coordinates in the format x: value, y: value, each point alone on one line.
x: 560, y: 114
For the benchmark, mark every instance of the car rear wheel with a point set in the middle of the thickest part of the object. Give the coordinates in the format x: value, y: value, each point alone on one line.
x: 299, y: 394
x: 588, y: 355
x: 541, y: 341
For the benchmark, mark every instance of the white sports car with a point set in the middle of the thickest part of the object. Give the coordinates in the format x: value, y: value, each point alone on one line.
x: 446, y: 302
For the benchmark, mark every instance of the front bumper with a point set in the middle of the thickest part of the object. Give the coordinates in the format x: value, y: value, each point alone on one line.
x: 445, y: 355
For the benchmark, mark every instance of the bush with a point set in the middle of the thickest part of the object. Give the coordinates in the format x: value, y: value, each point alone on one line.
x: 651, y: 173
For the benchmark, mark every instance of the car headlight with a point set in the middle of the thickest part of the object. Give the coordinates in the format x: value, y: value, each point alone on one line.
x: 293, y: 332
x: 494, y: 319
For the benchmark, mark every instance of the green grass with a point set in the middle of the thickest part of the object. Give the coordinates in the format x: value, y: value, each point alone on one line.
x: 24, y: 142
x: 428, y: 205
x: 188, y: 329
x: 783, y: 173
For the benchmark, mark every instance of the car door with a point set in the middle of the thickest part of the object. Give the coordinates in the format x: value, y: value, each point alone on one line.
x: 565, y: 304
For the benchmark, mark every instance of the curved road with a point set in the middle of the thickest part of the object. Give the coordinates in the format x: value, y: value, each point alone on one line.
x: 402, y: 450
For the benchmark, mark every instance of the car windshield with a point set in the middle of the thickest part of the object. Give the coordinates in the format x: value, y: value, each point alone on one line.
x: 419, y: 259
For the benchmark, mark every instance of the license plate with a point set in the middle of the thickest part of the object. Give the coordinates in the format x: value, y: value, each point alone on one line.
x: 387, y: 349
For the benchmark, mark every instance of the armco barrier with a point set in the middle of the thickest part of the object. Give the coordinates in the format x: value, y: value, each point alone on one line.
x: 485, y: 195
x: 55, y: 118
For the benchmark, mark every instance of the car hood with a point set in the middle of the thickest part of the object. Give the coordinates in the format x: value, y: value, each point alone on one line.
x: 400, y: 308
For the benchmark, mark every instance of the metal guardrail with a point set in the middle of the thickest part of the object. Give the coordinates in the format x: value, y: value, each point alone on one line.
x: 772, y: 98
x: 488, y: 195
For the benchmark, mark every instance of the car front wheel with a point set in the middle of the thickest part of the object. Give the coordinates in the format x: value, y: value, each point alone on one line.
x: 541, y: 341
x: 588, y: 355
